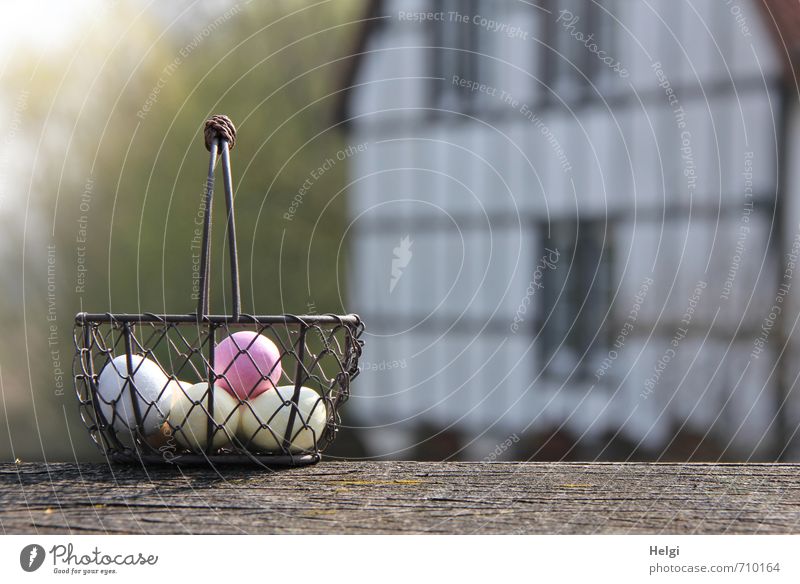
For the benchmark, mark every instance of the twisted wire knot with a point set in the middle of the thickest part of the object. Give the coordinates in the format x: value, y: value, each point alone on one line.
x: 219, y: 127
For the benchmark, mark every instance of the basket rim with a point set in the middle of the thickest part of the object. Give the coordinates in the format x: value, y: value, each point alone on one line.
x: 82, y: 318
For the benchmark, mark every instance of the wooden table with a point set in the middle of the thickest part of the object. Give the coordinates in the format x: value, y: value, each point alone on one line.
x: 402, y: 497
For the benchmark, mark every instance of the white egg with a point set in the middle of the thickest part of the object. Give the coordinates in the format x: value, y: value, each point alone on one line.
x: 270, y: 409
x: 153, y: 393
x: 177, y: 384
x: 189, y: 420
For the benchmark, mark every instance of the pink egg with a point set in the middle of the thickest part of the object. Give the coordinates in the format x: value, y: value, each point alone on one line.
x: 243, y: 360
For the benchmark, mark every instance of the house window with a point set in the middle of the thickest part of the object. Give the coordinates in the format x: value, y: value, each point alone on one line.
x: 576, y: 294
x: 457, y: 39
x: 582, y: 33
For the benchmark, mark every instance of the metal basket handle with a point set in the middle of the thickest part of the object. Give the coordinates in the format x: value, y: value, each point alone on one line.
x: 220, y: 137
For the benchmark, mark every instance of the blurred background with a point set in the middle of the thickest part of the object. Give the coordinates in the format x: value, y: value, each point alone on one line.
x: 571, y: 226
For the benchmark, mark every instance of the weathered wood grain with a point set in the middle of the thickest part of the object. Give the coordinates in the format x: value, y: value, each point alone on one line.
x: 402, y: 497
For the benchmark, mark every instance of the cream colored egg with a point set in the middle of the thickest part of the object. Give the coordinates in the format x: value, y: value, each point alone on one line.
x: 270, y: 409
x: 178, y: 384
x: 189, y: 420
x: 153, y: 394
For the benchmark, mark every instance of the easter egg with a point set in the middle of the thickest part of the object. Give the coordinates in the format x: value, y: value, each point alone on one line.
x: 248, y: 364
x: 271, y: 409
x: 152, y: 393
x: 190, y: 412
x: 177, y: 385
x: 163, y: 436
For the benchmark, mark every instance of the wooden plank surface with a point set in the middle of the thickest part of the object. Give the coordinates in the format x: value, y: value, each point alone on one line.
x: 402, y: 497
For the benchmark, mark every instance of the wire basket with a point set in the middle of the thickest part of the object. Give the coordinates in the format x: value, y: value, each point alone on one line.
x: 201, y: 388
